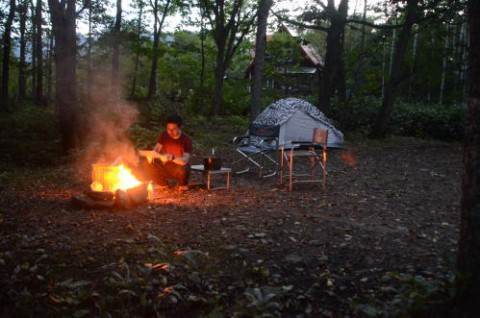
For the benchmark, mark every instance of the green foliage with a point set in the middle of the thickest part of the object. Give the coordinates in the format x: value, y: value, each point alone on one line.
x: 358, y: 115
x: 414, y: 296
x: 31, y: 121
x: 29, y: 137
x: 428, y: 121
x: 282, y: 53
x: 155, y: 280
x: 236, y: 97
x: 439, y: 122
x: 142, y: 137
x: 153, y: 113
x: 179, y: 67
x: 162, y: 284
x: 262, y: 300
x: 215, y: 132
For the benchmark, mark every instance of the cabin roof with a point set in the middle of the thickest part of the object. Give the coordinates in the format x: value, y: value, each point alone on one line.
x: 307, y: 50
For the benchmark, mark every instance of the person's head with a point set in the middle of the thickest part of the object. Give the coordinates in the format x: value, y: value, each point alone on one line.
x: 173, y: 127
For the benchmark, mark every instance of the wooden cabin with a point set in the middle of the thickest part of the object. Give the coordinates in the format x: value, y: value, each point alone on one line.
x: 295, y: 69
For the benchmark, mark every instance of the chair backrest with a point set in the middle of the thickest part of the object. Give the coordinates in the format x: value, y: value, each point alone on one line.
x: 320, y: 136
x: 264, y: 131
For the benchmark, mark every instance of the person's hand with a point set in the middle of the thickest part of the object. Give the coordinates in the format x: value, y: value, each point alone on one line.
x: 157, y: 148
x: 166, y: 157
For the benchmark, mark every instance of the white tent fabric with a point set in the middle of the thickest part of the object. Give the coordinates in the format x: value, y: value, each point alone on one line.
x: 297, y: 119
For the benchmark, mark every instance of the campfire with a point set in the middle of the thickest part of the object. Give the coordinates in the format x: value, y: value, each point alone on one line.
x: 114, y: 185
x: 112, y: 178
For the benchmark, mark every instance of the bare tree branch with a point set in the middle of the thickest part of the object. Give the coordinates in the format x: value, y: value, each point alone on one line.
x: 297, y: 23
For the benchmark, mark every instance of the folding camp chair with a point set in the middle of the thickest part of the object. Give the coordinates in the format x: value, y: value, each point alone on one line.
x: 258, y: 149
x: 295, y: 155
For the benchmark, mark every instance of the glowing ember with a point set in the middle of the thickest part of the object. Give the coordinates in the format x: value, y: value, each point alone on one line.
x: 96, y: 186
x: 151, y: 193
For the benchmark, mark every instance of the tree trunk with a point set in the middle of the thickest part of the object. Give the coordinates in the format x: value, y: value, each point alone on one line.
x: 230, y: 22
x: 359, y: 70
x: 22, y: 76
x: 398, y: 65
x: 446, y: 55
x: 432, y: 56
x: 414, y: 57
x: 33, y: 49
x: 152, y: 85
x: 115, y: 82
x: 469, y: 244
x: 463, y: 69
x: 332, y: 76
x: 7, y: 42
x: 392, y: 52
x: 49, y: 68
x: 88, y: 57
x: 136, y: 62
x: 63, y: 17
x: 219, y: 74
x: 39, y: 98
x: 203, y: 35
x: 259, y: 60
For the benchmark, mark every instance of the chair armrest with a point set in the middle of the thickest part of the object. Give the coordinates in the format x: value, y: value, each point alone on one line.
x: 238, y: 139
x: 290, y: 146
x: 269, y: 138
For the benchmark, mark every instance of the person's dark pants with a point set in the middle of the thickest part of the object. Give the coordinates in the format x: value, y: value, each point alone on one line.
x: 160, y: 172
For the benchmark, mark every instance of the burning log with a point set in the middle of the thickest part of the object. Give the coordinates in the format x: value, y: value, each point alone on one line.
x: 100, y: 195
x: 122, y: 200
x: 84, y: 201
x: 132, y: 197
x: 139, y: 194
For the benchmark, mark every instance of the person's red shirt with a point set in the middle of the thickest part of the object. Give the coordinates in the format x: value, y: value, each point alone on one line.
x: 176, y: 147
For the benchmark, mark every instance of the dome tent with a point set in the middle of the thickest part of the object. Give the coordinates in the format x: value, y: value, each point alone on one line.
x: 297, y: 119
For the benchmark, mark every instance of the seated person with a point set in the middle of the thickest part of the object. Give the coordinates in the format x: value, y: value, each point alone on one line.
x: 175, y: 149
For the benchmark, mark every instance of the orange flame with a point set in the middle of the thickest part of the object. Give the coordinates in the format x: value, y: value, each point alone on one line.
x: 126, y: 179
x: 113, y: 178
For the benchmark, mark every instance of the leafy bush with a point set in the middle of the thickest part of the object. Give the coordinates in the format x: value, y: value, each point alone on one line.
x: 415, y: 296
x: 216, y: 132
x: 29, y: 137
x: 236, y: 97
x: 358, y: 115
x: 31, y: 122
x: 428, y: 121
x: 142, y: 137
x: 162, y: 284
x: 439, y: 122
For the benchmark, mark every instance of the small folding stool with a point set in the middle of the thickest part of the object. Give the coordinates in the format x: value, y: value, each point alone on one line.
x: 207, y: 176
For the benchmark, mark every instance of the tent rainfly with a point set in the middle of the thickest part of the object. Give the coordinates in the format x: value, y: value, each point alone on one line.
x: 297, y: 119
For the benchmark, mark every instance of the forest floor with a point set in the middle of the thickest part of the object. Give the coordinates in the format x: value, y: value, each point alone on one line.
x: 378, y: 240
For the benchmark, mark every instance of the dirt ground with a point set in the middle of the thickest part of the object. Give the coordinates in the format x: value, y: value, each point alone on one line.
x: 388, y: 208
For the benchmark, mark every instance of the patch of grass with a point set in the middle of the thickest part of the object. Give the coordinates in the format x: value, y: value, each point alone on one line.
x: 22, y: 178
